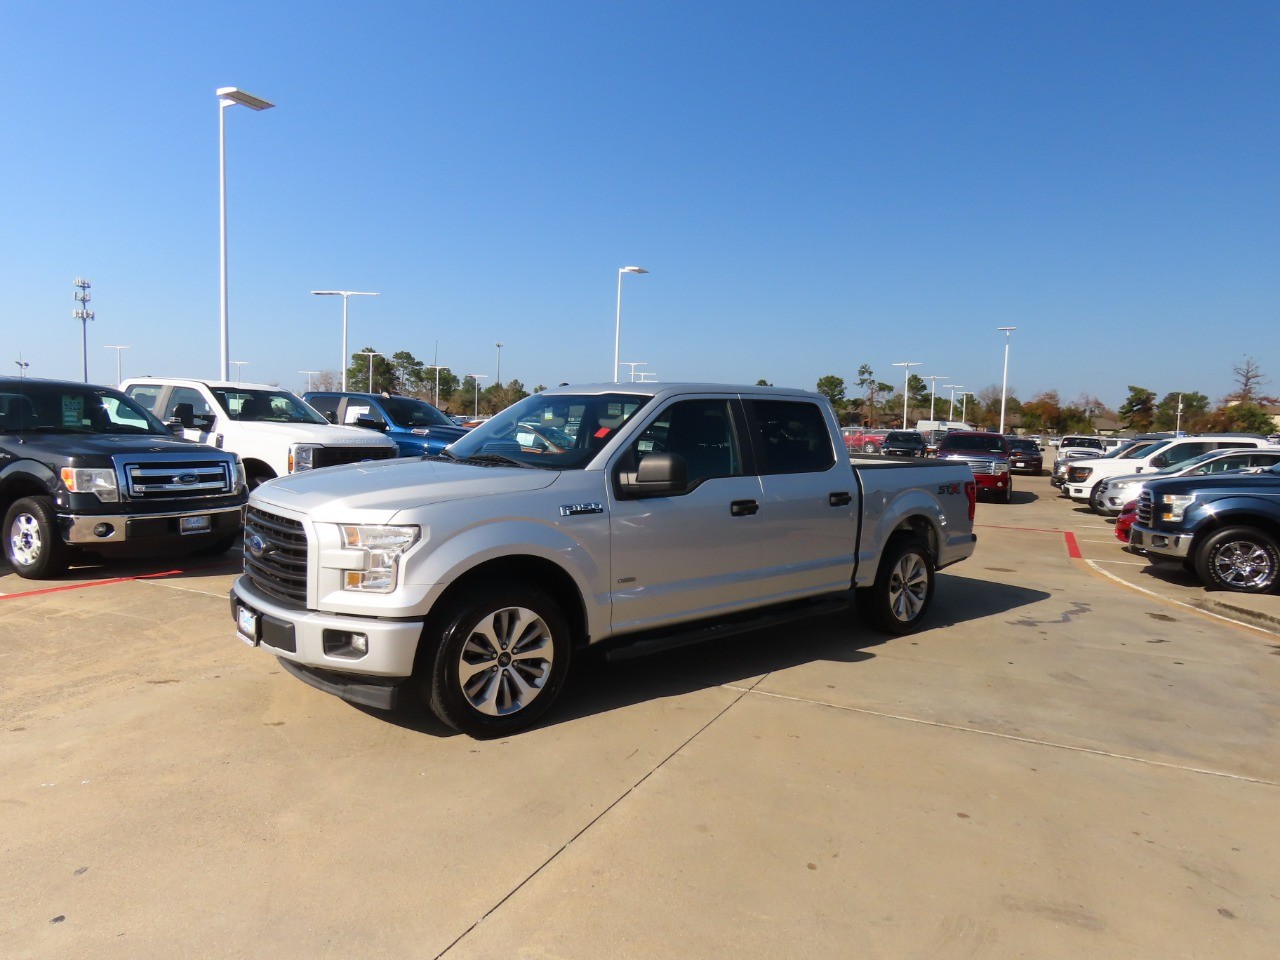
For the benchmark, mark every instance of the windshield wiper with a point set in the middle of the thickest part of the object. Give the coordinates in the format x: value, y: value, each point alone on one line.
x: 491, y: 458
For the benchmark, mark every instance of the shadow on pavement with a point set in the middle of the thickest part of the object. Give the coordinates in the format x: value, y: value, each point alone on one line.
x: 89, y: 570
x: 599, y: 686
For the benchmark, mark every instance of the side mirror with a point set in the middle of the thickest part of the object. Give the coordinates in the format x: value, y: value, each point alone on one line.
x: 659, y: 475
x: 331, y: 416
x: 1160, y: 461
x: 370, y: 424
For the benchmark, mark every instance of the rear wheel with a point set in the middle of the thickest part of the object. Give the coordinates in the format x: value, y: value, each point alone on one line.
x: 500, y: 662
x: 1242, y: 559
x: 903, y: 590
x: 32, y: 543
x: 868, y: 448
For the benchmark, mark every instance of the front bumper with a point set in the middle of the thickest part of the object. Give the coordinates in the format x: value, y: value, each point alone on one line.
x: 320, y: 641
x: 1174, y: 546
x: 147, y: 528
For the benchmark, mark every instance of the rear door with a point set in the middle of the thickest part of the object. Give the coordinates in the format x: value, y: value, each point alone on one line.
x: 809, y: 511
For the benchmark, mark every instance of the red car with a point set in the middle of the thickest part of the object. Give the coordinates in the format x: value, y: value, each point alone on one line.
x: 863, y: 441
x: 1128, y: 514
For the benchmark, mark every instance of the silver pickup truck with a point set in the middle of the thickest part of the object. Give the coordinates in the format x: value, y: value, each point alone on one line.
x: 627, y: 517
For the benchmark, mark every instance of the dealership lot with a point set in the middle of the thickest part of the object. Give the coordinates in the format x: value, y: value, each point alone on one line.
x: 1061, y: 766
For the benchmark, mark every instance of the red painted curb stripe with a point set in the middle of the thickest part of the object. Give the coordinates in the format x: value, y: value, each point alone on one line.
x: 114, y: 580
x: 1073, y: 548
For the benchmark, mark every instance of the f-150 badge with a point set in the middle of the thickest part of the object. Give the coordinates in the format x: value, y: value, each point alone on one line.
x: 577, y: 509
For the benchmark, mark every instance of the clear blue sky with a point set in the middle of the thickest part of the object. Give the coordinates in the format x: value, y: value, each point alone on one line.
x: 813, y: 186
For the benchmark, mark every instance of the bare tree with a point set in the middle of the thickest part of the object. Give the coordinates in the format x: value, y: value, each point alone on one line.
x: 1249, y: 379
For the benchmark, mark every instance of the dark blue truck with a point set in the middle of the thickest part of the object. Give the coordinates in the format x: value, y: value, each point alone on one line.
x: 1225, y: 527
x: 415, y: 425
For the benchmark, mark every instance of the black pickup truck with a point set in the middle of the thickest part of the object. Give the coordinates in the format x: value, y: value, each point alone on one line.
x: 1225, y: 527
x: 84, y: 470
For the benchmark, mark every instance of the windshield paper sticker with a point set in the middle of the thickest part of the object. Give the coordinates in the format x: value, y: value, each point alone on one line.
x: 72, y: 410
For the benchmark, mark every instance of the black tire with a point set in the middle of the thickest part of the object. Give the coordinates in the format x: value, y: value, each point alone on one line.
x: 255, y: 480
x: 1240, y: 559
x: 1006, y: 494
x: 474, y: 684
x: 32, y: 542
x: 1095, y: 498
x: 903, y: 590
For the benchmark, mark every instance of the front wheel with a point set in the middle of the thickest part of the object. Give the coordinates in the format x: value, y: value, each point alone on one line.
x: 1242, y: 559
x: 32, y: 543
x: 903, y: 590
x: 868, y: 448
x: 500, y: 662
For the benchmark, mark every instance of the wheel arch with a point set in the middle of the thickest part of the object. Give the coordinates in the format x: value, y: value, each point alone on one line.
x: 1221, y: 519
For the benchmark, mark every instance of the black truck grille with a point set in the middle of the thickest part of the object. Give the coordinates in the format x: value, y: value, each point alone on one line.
x: 275, y: 556
x: 177, y: 480
x: 1146, y: 508
x: 333, y: 456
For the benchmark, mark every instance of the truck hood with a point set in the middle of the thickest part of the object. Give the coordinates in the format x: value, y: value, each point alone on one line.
x: 325, y: 434
x: 1265, y: 484
x: 83, y: 446
x: 377, y: 491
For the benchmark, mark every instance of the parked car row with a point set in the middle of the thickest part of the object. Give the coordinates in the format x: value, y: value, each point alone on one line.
x: 1210, y: 503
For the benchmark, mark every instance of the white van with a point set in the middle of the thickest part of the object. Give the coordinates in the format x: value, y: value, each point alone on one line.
x: 924, y: 426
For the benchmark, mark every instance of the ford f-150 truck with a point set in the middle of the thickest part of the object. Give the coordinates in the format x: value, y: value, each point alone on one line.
x: 84, y: 470
x: 272, y: 430
x: 416, y: 426
x: 1224, y: 527
x: 662, y: 514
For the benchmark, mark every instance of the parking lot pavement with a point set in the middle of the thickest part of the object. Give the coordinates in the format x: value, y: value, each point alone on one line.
x: 1059, y: 767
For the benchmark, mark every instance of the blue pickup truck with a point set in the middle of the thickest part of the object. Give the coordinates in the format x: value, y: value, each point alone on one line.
x: 1225, y: 527
x: 415, y: 425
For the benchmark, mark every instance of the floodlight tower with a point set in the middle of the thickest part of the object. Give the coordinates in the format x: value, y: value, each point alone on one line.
x: 84, y: 315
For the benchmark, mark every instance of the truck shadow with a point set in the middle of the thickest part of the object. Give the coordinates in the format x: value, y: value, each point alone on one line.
x: 88, y: 569
x: 598, y: 685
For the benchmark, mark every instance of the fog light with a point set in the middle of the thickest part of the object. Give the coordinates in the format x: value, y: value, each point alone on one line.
x: 359, y: 643
x: 103, y: 530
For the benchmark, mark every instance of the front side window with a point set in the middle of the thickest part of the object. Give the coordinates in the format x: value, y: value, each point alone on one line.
x: 702, y: 433
x: 792, y: 436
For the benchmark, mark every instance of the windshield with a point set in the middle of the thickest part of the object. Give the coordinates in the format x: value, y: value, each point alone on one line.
x: 265, y: 406
x: 1028, y: 446
x: 559, y: 432
x: 1092, y: 443
x: 59, y: 408
x: 1142, y: 449
x: 899, y: 436
x: 409, y: 412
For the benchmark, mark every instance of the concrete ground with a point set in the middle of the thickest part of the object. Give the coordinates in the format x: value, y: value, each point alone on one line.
x: 1060, y: 766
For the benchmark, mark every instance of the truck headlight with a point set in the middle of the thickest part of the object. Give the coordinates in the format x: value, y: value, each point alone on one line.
x: 382, y: 547
x: 1000, y: 466
x: 1174, y: 505
x: 302, y: 456
x: 101, y: 483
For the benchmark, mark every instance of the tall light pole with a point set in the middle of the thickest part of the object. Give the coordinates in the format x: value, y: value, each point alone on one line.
x: 498, y: 379
x: 1004, y: 382
x: 933, y: 394
x: 117, y: 348
x: 83, y: 297
x: 964, y: 406
x: 477, y: 377
x: 22, y: 366
x: 617, y: 328
x: 953, y: 387
x: 309, y: 373
x: 228, y: 97
x: 437, y: 368
x: 238, y: 364
x: 344, y: 294
x: 1177, y: 427
x: 370, y: 354
x: 633, y: 365
x: 906, y: 386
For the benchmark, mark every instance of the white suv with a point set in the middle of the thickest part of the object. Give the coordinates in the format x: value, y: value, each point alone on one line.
x: 274, y: 432
x: 1084, y: 477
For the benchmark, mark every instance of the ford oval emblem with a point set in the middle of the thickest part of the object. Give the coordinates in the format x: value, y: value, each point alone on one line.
x: 186, y: 479
x: 257, y: 546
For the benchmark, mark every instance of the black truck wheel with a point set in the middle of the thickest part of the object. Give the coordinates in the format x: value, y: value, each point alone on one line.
x: 1243, y: 559
x: 499, y: 663
x: 32, y: 542
x: 903, y: 589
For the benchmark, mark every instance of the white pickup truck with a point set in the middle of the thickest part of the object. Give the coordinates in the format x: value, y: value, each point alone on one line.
x: 630, y: 517
x: 274, y: 432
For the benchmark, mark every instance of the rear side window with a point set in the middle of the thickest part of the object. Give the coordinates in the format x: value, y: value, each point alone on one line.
x: 790, y: 436
x: 145, y: 395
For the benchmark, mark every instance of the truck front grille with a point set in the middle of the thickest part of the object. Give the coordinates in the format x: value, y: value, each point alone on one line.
x: 334, y: 456
x: 1146, y: 508
x: 977, y: 465
x: 176, y: 479
x: 275, y: 556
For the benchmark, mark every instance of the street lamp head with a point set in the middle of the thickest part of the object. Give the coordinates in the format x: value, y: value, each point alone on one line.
x: 1007, y: 330
x: 633, y: 270
x: 236, y: 95
x: 342, y: 293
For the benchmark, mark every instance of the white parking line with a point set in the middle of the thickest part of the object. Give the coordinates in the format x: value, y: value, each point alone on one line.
x: 1151, y: 593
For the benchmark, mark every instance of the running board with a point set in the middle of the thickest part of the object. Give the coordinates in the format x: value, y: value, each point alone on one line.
x: 642, y: 645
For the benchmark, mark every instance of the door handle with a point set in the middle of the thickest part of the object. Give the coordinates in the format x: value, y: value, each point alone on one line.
x: 743, y: 508
x: 840, y: 499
